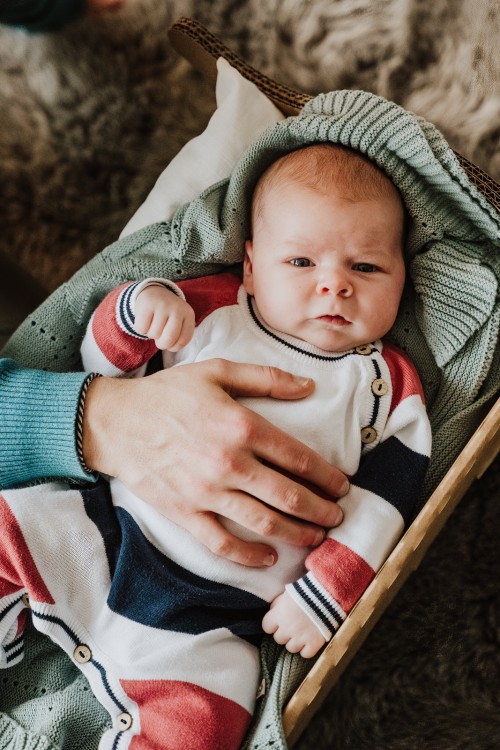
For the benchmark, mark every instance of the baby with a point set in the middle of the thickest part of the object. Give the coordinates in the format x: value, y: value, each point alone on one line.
x: 166, y: 631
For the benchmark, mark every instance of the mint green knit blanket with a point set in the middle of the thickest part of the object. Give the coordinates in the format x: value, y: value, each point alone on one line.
x: 449, y: 317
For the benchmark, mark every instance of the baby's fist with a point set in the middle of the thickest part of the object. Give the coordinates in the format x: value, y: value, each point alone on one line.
x: 163, y: 316
x: 291, y: 627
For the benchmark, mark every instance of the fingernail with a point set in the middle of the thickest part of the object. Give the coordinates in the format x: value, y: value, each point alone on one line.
x: 318, y: 538
x: 340, y: 517
x: 269, y: 560
x: 303, y: 382
x: 345, y: 488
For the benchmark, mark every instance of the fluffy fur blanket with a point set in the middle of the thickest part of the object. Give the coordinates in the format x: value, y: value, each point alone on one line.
x: 90, y: 117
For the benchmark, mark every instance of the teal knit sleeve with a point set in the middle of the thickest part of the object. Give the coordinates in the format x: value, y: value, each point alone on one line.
x: 40, y: 15
x: 38, y: 413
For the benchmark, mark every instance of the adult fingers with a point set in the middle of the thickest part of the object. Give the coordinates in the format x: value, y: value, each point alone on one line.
x: 209, y: 530
x: 239, y: 379
x: 298, y: 480
x: 256, y: 516
x: 274, y: 445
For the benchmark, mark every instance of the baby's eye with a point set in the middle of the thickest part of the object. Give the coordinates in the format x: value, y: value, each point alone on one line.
x: 364, y: 267
x: 301, y: 262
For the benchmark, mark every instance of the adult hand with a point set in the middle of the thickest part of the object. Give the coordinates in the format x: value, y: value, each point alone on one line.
x: 180, y: 441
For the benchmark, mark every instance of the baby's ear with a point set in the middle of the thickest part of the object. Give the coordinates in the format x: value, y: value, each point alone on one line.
x: 248, y: 268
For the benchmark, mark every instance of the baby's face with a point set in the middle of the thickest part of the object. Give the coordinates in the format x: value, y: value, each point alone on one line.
x: 325, y: 269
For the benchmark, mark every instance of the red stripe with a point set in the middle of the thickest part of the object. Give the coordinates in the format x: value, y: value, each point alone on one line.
x: 21, y: 622
x: 17, y: 567
x: 122, y: 350
x: 404, y: 377
x: 343, y: 573
x: 207, y: 293
x: 181, y: 716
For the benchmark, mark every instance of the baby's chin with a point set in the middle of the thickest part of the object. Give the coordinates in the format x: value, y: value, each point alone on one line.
x: 336, y: 339
x: 332, y: 344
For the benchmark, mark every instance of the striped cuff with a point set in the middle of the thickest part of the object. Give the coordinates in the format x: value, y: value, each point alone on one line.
x: 125, y: 304
x: 14, y: 652
x: 319, y: 606
x: 12, y: 625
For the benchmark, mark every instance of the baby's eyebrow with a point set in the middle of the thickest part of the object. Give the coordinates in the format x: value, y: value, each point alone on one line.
x: 378, y: 251
x: 298, y: 242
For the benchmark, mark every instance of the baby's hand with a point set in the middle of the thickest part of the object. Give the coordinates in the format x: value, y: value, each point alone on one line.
x: 163, y: 316
x: 291, y: 627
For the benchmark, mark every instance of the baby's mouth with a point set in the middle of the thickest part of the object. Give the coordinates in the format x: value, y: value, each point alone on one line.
x: 334, y: 320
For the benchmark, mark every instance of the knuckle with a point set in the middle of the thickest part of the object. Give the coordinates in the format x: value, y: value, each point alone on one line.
x: 227, y: 463
x: 274, y: 377
x: 267, y: 526
x: 302, y: 462
x: 243, y: 426
x: 272, y: 373
x: 292, y: 500
x: 222, y: 546
x: 219, y: 367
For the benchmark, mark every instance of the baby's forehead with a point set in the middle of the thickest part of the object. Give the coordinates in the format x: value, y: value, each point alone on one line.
x: 327, y: 166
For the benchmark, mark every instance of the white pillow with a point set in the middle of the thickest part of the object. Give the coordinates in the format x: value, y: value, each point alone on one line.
x: 243, y: 113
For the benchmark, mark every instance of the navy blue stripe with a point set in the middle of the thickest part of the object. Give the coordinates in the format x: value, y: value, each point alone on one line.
x: 14, y: 656
x: 148, y: 587
x: 58, y: 621
x: 14, y: 644
x: 312, y: 605
x: 106, y: 684
x: 322, y: 598
x: 99, y: 508
x: 11, y: 656
x: 320, y: 357
x: 123, y: 307
x: 376, y: 399
x: 127, y: 316
x: 395, y: 472
x: 77, y: 641
x: 127, y: 297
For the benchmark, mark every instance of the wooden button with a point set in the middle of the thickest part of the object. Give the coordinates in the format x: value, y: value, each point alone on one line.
x: 379, y: 387
x: 364, y: 349
x: 82, y: 654
x: 368, y: 435
x: 26, y: 600
x: 124, y: 721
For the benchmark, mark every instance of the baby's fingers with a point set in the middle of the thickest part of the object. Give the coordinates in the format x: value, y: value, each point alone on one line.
x: 177, y: 332
x: 283, y: 635
x: 269, y: 623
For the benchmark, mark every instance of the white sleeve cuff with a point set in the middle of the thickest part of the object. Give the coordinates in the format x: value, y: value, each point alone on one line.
x: 321, y: 608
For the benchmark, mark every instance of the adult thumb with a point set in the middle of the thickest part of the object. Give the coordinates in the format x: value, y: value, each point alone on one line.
x: 239, y: 379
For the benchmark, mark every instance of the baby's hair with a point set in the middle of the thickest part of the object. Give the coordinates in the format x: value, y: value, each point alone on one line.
x: 324, y: 167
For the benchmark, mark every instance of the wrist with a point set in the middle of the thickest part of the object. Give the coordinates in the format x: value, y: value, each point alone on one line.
x: 319, y: 606
x: 127, y: 302
x: 80, y: 421
x: 98, y: 416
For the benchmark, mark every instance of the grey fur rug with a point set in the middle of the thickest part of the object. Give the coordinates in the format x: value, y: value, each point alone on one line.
x: 90, y: 116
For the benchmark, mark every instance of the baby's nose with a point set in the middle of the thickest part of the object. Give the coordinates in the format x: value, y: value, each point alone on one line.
x: 336, y: 283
